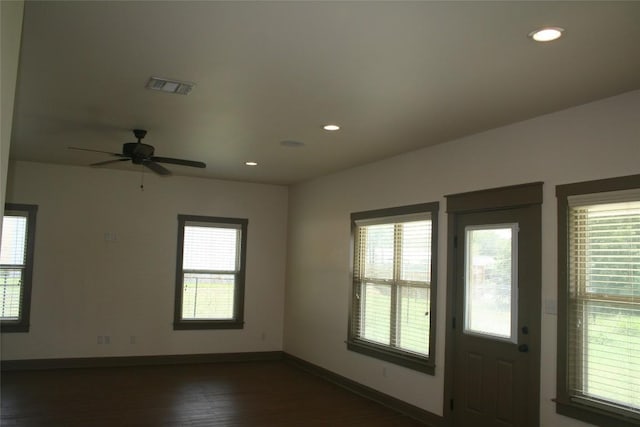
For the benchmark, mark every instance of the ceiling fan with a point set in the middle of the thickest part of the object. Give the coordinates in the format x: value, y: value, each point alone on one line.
x: 142, y: 154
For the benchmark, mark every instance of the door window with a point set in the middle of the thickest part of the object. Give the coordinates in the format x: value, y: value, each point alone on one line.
x: 491, y: 281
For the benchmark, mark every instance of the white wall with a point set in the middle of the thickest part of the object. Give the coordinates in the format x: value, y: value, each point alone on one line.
x: 85, y: 286
x: 11, y: 26
x: 593, y: 141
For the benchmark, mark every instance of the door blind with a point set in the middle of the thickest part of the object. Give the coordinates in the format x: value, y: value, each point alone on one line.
x: 604, y: 303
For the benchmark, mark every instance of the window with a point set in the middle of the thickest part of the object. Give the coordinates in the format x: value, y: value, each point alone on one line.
x: 16, y: 266
x: 210, y: 273
x: 599, y: 301
x: 393, y: 299
x: 491, y: 281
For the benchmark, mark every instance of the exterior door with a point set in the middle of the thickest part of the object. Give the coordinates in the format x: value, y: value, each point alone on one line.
x: 496, y: 318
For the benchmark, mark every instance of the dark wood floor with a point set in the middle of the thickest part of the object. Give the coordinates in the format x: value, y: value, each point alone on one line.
x: 220, y: 394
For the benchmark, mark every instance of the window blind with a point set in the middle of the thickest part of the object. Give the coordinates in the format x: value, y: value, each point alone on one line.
x: 210, y: 265
x: 12, y: 264
x: 604, y: 301
x: 210, y: 248
x: 392, y: 275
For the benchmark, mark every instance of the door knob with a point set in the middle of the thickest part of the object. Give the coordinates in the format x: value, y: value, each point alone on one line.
x: 523, y: 348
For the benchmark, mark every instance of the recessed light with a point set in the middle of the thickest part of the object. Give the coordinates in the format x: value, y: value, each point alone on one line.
x: 331, y: 128
x: 251, y: 163
x: 546, y: 34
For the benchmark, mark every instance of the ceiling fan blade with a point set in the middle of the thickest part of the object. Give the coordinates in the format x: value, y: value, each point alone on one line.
x: 160, y: 170
x: 106, y: 162
x: 96, y: 151
x: 181, y: 162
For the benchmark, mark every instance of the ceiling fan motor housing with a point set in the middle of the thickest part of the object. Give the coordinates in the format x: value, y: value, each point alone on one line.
x: 138, y: 151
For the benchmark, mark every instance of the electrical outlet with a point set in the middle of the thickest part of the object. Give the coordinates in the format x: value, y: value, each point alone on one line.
x: 132, y: 339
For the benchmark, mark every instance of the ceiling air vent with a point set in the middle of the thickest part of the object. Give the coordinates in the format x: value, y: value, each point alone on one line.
x: 170, y: 86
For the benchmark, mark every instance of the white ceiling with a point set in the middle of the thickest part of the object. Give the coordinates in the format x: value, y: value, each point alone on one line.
x: 395, y: 75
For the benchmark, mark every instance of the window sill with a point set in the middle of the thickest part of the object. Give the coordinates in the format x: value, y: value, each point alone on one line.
x: 406, y: 360
x: 185, y: 325
x: 594, y: 415
x: 14, y: 327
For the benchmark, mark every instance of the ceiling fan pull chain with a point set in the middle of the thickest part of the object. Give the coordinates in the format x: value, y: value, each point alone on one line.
x: 141, y: 179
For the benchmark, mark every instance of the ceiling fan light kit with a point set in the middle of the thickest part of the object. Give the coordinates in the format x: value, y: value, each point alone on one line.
x: 143, y: 154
